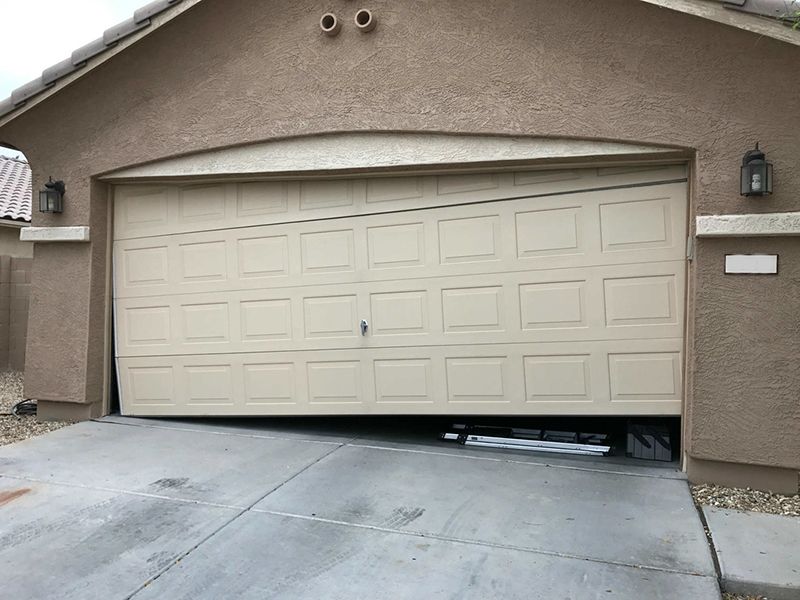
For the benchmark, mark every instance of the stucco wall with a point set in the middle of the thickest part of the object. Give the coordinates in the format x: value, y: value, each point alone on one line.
x: 15, y: 285
x: 11, y: 246
x: 228, y: 73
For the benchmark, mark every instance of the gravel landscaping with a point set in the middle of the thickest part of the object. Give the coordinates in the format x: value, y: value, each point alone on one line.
x: 727, y: 596
x: 746, y: 499
x: 13, y: 428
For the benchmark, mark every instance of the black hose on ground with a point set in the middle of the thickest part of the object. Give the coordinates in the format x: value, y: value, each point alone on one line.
x: 25, y: 408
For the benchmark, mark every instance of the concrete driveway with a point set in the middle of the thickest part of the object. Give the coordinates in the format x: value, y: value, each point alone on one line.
x: 128, y: 508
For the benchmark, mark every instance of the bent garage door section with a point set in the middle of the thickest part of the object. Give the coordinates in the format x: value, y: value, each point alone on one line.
x: 508, y: 293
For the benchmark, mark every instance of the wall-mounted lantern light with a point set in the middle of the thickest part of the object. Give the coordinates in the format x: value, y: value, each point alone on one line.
x: 51, y: 199
x: 756, y: 174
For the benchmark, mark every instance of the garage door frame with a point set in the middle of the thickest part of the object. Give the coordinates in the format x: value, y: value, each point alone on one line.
x: 488, y: 167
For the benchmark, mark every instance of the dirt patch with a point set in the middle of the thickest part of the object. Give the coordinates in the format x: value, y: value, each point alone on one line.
x: 13, y: 428
x: 6, y: 497
x: 746, y: 499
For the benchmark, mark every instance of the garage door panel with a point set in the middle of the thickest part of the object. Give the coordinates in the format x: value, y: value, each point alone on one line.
x: 202, y: 202
x: 394, y: 246
x: 500, y: 237
x: 331, y: 316
x: 259, y: 198
x: 473, y: 309
x: 564, y: 378
x: 404, y: 381
x: 558, y: 378
x: 481, y: 296
x: 400, y: 313
x: 645, y: 377
x: 152, y: 210
x: 549, y: 231
x: 637, y: 224
x: 268, y: 384
x: 598, y: 303
x: 262, y: 257
x: 328, y: 252
x: 553, y: 305
x: 266, y: 320
x: 469, y: 239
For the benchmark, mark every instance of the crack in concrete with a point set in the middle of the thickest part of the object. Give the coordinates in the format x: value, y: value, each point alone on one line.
x: 471, y: 542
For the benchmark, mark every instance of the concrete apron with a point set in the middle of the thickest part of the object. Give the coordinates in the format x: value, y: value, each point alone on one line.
x: 757, y: 553
x: 160, y: 509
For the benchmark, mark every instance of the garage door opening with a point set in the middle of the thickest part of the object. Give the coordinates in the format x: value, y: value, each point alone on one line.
x: 525, y: 293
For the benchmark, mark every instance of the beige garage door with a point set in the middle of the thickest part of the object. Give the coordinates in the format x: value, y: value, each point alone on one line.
x: 507, y: 293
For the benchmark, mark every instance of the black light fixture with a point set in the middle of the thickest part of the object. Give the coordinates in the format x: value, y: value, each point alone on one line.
x: 756, y: 174
x: 51, y: 199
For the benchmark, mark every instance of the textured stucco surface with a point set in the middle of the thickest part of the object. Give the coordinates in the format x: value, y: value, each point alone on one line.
x: 226, y: 74
x: 10, y: 245
x: 380, y: 151
x: 55, y: 234
x: 787, y: 223
x: 747, y: 356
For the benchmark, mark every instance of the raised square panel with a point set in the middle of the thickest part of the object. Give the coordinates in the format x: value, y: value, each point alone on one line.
x: 209, y: 384
x: 557, y: 378
x: 148, y: 325
x: 269, y: 383
x: 652, y: 376
x: 205, y: 323
x: 151, y: 386
x: 548, y: 232
x: 262, y: 198
x: 334, y: 382
x: 552, y: 305
x: 640, y: 301
x: 469, y: 239
x: 330, y: 316
x: 325, y: 194
x: 394, y: 188
x: 144, y: 206
x: 635, y: 225
x: 458, y: 184
x: 536, y: 177
x: 399, y: 312
x: 396, y: 246
x: 404, y: 381
x: 328, y: 251
x: 266, y: 320
x: 625, y: 170
x: 204, y: 261
x: 263, y: 257
x: 476, y: 379
x: 145, y: 266
x: 202, y: 203
x: 472, y: 309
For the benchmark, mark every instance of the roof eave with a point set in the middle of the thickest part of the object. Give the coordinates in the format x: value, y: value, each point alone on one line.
x: 46, y: 88
x: 6, y: 222
x: 714, y: 10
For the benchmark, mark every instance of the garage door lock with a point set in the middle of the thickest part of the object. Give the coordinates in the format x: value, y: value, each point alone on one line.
x: 364, y: 326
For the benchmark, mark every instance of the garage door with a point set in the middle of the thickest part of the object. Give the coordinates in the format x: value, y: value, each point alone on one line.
x: 502, y: 293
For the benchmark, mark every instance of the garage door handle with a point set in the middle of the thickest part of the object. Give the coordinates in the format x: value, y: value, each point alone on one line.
x: 364, y: 326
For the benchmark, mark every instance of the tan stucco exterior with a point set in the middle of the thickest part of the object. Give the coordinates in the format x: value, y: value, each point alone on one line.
x: 10, y: 244
x: 226, y: 74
